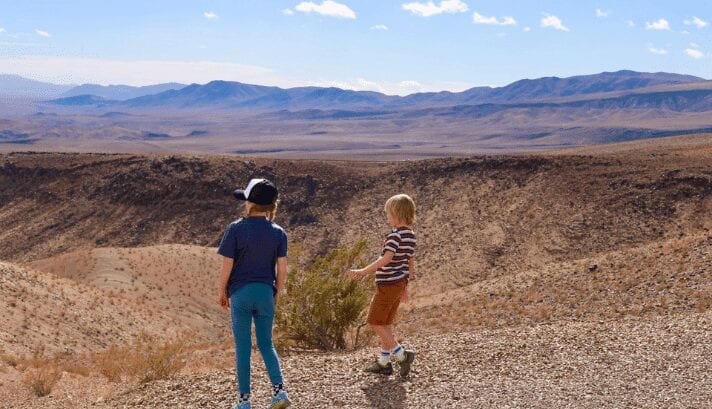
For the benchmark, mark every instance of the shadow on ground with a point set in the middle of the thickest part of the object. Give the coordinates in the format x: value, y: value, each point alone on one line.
x: 387, y: 393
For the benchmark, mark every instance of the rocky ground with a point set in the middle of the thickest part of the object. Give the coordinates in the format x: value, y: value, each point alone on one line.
x: 662, y: 363
x: 654, y: 363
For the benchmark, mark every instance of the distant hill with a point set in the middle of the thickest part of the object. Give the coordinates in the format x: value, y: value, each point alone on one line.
x: 120, y: 92
x: 554, y: 87
x: 236, y: 95
x: 17, y: 86
x: 81, y: 100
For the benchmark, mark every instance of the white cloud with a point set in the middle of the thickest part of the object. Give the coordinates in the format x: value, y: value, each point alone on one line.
x: 602, y: 13
x: 630, y: 23
x: 326, y: 8
x: 697, y: 22
x: 685, y: 32
x: 551, y: 21
x: 288, y: 12
x: 527, y: 29
x: 210, y: 15
x: 694, y: 45
x: 657, y: 51
x: 381, y: 27
x: 43, y: 33
x: 404, y: 87
x: 504, y: 21
x: 410, y: 83
x: 68, y: 70
x: 661, y: 24
x: 430, y: 9
x: 693, y: 53
x: 2, y: 30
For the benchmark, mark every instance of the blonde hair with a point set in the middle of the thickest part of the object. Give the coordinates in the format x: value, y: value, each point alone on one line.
x: 402, y: 207
x: 258, y: 208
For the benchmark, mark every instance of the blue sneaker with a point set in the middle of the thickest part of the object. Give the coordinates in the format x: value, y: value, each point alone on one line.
x: 280, y: 401
x: 243, y: 405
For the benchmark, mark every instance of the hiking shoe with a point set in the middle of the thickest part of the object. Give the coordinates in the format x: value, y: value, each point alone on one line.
x: 280, y: 401
x: 243, y: 405
x: 404, y: 365
x: 377, y: 368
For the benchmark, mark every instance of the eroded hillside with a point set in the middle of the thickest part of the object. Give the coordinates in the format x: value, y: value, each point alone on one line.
x: 478, y: 218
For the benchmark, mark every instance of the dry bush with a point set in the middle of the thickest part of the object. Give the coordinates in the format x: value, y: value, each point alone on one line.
x: 322, y: 306
x: 41, y: 380
x: 152, y: 360
x: 110, y: 363
x: 146, y: 359
x: 9, y: 360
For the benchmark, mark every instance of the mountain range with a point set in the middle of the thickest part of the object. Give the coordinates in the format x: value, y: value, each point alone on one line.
x: 240, y: 96
x: 314, y: 122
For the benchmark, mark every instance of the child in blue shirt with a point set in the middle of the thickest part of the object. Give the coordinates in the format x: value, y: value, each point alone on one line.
x: 249, y: 285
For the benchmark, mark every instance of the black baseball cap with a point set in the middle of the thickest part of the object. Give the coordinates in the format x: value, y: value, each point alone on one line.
x: 259, y: 191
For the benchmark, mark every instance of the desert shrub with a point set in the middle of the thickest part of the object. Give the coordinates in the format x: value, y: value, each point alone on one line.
x: 41, y: 380
x: 322, y: 306
x: 153, y: 360
x: 110, y: 363
x: 146, y: 359
x: 9, y: 360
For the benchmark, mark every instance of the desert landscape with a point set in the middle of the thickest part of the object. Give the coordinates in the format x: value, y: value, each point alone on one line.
x: 572, y: 278
x: 326, y: 123
x: 559, y: 155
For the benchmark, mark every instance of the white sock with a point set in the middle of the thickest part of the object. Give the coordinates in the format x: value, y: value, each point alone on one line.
x: 384, y: 358
x: 398, y: 352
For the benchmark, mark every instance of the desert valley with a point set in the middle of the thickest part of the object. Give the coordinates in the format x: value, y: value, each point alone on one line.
x: 567, y: 278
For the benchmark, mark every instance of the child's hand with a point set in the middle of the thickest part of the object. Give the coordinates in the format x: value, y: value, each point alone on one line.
x: 223, y: 301
x: 404, y: 297
x: 355, y: 274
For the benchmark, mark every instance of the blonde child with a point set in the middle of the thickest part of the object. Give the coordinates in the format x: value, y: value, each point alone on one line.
x: 393, y: 270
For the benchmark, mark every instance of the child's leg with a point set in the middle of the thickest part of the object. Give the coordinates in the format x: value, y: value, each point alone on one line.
x: 264, y: 318
x: 385, y: 334
x: 241, y: 331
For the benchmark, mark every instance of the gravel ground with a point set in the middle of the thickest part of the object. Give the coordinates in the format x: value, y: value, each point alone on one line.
x: 662, y: 362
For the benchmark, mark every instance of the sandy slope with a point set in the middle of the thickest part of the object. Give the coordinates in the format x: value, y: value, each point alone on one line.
x: 40, y: 310
x: 179, y: 280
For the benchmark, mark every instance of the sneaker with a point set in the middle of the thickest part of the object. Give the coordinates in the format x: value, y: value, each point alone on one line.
x: 406, y: 362
x: 243, y: 405
x: 377, y: 368
x: 280, y: 401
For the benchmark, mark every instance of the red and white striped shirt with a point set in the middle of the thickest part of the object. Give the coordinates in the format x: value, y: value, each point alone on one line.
x: 401, y: 241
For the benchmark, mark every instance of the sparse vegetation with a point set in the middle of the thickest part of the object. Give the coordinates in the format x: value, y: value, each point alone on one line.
x: 41, y: 380
x: 146, y: 359
x: 322, y: 306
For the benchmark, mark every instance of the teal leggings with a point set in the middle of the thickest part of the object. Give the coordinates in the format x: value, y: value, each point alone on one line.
x: 253, y: 301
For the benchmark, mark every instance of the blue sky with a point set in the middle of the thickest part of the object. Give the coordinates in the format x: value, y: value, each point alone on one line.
x: 389, y: 46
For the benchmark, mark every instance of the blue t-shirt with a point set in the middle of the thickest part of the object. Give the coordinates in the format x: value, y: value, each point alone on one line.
x: 254, y: 243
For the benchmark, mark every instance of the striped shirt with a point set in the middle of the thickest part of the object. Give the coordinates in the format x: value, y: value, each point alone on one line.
x: 401, y: 241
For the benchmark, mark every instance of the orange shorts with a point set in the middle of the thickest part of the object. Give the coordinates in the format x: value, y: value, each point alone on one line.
x: 385, y: 303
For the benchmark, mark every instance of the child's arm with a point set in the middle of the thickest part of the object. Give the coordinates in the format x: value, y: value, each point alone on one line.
x: 411, y: 267
x: 281, y: 277
x: 362, y: 272
x: 223, y: 301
